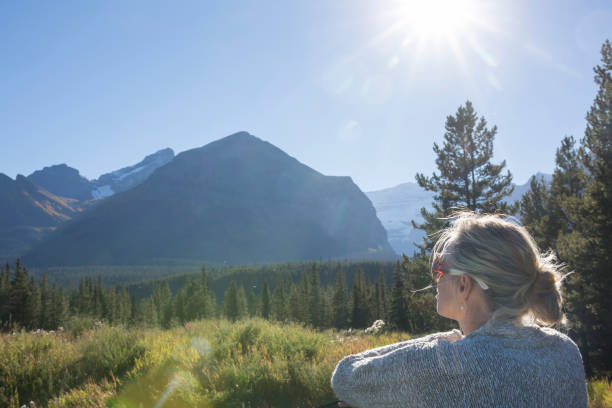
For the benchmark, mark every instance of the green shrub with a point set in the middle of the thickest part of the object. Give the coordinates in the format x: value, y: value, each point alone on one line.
x: 34, y: 367
x: 90, y: 395
x: 77, y: 325
x: 600, y: 393
x: 111, y: 351
x: 262, y: 364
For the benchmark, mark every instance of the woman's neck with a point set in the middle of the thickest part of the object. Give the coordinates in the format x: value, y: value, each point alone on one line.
x: 474, y: 319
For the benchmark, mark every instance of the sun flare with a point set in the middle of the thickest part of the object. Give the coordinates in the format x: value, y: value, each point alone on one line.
x: 437, y: 19
x: 421, y: 29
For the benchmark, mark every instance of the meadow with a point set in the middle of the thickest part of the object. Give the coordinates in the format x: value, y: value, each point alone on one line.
x: 206, y: 363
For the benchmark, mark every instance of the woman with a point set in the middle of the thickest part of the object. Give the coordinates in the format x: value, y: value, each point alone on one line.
x: 494, y: 282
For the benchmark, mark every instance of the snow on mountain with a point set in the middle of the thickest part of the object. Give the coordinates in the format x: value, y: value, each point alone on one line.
x: 129, y: 177
x: 102, y: 192
x: 397, y: 206
x: 129, y: 173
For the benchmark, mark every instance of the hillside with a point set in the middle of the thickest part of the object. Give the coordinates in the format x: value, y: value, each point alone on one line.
x: 27, y: 212
x: 237, y: 200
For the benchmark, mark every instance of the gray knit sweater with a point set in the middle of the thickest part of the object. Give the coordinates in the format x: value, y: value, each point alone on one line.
x: 498, y: 365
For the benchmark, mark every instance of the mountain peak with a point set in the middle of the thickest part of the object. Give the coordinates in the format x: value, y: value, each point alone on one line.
x: 242, y: 135
x: 63, y: 181
x: 241, y: 138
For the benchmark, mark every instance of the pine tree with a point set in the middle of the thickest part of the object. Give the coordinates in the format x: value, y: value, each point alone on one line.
x: 266, y: 306
x: 279, y: 301
x: 295, y: 313
x: 596, y: 156
x: 96, y: 297
x: 59, y: 307
x: 31, y: 319
x: 124, y: 306
x: 399, y: 309
x: 304, y: 292
x: 73, y: 300
x: 20, y: 291
x: 467, y: 178
x: 360, y: 303
x: 316, y: 312
x: 327, y: 311
x: 179, y: 306
x: 587, y: 244
x: 241, y: 301
x: 5, y: 291
x: 575, y: 218
x: 380, y: 297
x: 162, y: 301
x: 537, y: 213
x: 340, y: 300
x: 252, y: 304
x: 230, y: 302
x: 45, y: 303
x: 109, y: 308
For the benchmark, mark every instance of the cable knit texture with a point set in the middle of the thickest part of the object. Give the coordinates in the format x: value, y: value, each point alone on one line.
x: 498, y: 365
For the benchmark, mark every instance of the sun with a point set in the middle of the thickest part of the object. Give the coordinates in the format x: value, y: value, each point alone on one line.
x: 425, y: 27
x: 434, y: 19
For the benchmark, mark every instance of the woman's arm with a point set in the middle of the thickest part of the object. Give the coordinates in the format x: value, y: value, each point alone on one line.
x: 449, y: 336
x: 393, y: 375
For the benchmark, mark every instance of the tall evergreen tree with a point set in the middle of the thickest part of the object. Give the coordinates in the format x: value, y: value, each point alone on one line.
x: 31, y: 319
x: 340, y: 300
x: 59, y: 307
x: 399, y: 308
x: 266, y: 304
x: 45, y: 303
x: 279, y: 300
x: 242, y: 303
x: 295, y: 313
x: 252, y: 304
x: 5, y: 292
x: 360, y: 316
x: 596, y: 156
x: 231, y: 303
x: 304, y: 292
x: 316, y: 311
x: 380, y: 297
x: 467, y: 178
x: 537, y: 213
x: 20, y: 291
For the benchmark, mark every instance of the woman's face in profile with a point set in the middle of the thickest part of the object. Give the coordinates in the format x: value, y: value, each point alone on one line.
x: 446, y: 297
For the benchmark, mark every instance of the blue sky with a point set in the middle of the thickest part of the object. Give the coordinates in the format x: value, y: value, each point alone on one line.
x: 352, y: 88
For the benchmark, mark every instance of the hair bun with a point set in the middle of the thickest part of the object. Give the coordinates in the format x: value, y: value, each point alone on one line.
x: 544, y: 298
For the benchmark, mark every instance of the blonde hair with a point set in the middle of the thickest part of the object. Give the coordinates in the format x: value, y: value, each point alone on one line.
x: 523, y: 283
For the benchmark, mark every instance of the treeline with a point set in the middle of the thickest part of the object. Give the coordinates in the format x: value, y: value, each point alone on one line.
x: 340, y: 305
x: 254, y: 276
x: 32, y: 305
x: 29, y: 304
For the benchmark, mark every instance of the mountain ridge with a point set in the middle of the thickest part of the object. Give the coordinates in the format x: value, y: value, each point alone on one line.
x: 238, y: 199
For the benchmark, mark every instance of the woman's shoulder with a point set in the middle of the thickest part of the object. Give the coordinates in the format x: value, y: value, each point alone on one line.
x: 508, y: 337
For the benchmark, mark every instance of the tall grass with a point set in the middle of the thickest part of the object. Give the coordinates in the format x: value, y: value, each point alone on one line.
x: 250, y: 363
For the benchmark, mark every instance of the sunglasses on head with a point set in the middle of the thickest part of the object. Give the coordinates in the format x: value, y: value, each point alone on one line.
x: 437, y: 270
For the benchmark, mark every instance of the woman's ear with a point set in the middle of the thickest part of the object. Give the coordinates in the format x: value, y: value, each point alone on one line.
x: 465, y: 285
